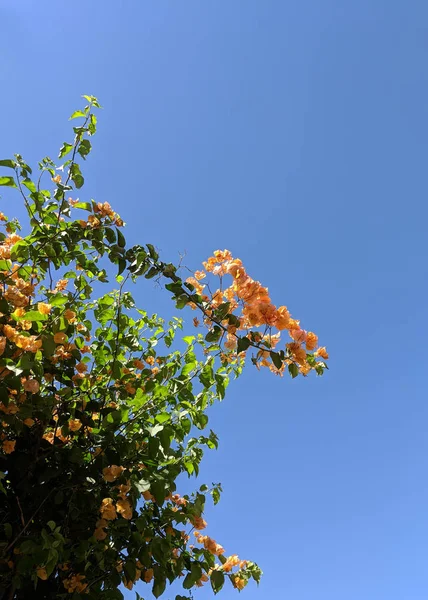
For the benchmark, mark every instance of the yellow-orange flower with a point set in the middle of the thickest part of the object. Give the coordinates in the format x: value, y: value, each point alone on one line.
x: 100, y: 534
x: 322, y: 353
x: 148, y: 575
x: 311, y: 341
x: 74, y: 583
x: 239, y: 583
x: 60, y: 337
x: 41, y: 573
x: 32, y: 386
x: 9, y: 446
x: 107, y: 510
x: 232, y: 561
x: 43, y: 308
x: 112, y: 473
x: 70, y: 315
x: 198, y: 522
x: 124, y: 508
x: 298, y: 335
x: 74, y: 424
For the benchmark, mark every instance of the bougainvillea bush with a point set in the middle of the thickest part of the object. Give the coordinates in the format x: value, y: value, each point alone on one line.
x: 102, y: 408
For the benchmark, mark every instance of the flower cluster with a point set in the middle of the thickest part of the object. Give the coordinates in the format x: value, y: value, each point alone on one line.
x: 253, y: 308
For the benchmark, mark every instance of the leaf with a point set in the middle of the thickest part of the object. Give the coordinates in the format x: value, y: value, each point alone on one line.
x: 216, y: 495
x: 159, y: 587
x: 65, y: 149
x: 84, y: 206
x: 217, y: 581
x: 276, y: 359
x: 7, y: 162
x: 121, y: 242
x: 188, y: 582
x: 293, y: 369
x: 76, y: 175
x: 76, y: 114
x: 152, y: 252
x: 163, y: 417
x: 19, y: 252
x: 222, y: 311
x: 92, y: 125
x: 8, y: 181
x: 214, y: 335
x: 84, y: 148
x: 243, y: 344
x: 30, y: 185
x: 151, y: 273
x: 158, y: 490
x: 142, y: 485
x: 122, y: 265
x: 130, y: 570
x: 33, y: 315
x: 188, y: 368
x: 58, y: 300
x: 206, y: 376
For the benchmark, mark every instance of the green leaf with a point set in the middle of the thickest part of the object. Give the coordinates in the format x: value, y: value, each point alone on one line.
x: 151, y: 273
x: 8, y: 181
x: 130, y: 570
x: 142, y: 485
x: 84, y: 206
x: 92, y: 125
x: 214, y: 335
x: 76, y: 114
x: 206, y: 376
x: 276, y: 359
x: 222, y: 311
x: 122, y: 266
x: 33, y: 315
x: 243, y: 344
x: 121, y: 242
x: 30, y: 185
x: 84, y: 148
x: 110, y: 235
x: 217, y: 581
x: 293, y: 369
x: 163, y: 417
x: 19, y: 252
x: 7, y: 162
x: 216, y: 495
x: 159, y: 587
x: 76, y: 175
x: 58, y: 300
x: 152, y: 252
x: 65, y: 149
x: 188, y: 582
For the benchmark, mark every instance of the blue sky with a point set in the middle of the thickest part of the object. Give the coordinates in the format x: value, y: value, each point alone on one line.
x: 294, y: 134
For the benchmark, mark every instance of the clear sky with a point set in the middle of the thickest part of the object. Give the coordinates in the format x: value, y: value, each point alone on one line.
x: 294, y: 134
